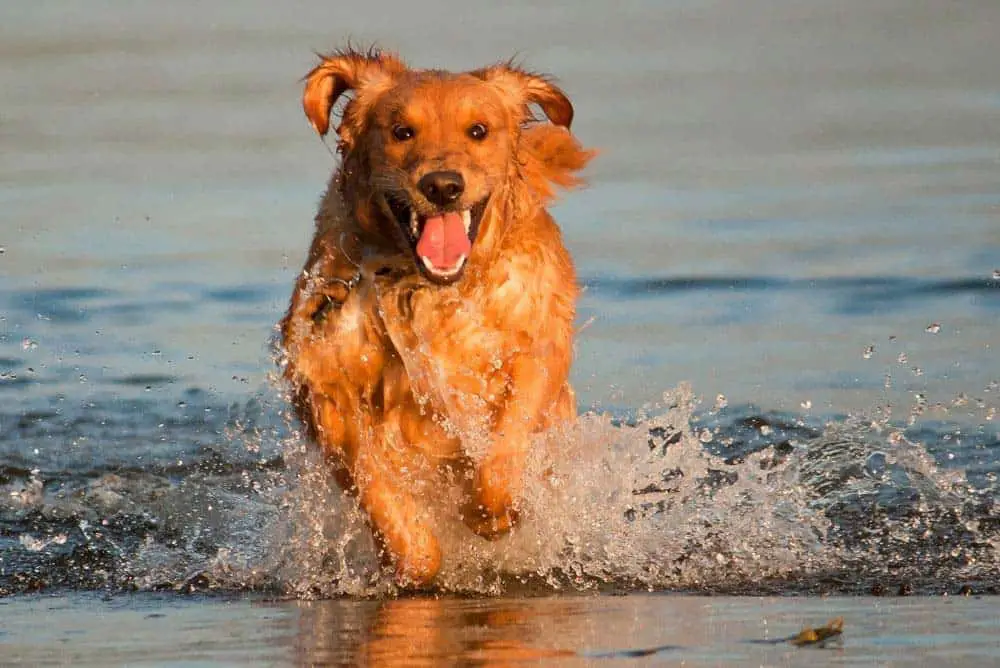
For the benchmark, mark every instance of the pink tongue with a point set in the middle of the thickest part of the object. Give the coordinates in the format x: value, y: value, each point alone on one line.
x: 444, y: 240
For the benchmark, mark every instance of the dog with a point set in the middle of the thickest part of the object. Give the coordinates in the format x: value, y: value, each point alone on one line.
x: 429, y: 336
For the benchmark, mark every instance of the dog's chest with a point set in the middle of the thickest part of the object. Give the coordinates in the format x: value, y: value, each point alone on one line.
x: 454, y: 351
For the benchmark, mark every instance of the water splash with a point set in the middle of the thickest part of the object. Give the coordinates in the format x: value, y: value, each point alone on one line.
x: 677, y: 498
x: 651, y: 505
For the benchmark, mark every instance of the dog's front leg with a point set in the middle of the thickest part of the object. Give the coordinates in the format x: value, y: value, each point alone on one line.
x: 400, y: 522
x: 496, y: 485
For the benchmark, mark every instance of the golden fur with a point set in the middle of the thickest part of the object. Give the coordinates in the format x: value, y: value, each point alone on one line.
x: 406, y: 378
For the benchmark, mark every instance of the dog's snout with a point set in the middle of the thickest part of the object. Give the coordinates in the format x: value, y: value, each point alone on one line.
x: 442, y: 188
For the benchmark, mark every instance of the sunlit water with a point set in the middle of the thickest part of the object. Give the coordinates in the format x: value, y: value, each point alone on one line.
x: 787, y: 357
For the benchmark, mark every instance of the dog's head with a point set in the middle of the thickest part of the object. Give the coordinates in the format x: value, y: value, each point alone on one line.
x: 429, y: 155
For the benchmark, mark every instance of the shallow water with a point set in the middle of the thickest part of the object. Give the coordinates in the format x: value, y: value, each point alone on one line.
x: 792, y: 231
x: 565, y: 630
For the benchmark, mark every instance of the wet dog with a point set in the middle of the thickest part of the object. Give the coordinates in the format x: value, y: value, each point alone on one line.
x: 430, y: 333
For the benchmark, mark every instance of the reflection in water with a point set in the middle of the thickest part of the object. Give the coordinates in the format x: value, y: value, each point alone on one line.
x: 433, y: 631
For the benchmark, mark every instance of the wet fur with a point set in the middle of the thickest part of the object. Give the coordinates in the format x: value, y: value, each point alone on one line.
x: 406, y: 384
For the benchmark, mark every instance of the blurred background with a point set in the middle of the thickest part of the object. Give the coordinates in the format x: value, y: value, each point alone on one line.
x: 795, y: 205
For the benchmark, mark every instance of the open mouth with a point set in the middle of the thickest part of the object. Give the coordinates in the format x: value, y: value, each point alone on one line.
x: 442, y: 241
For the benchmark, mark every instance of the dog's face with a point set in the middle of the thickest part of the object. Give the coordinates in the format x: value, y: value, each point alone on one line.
x: 427, y: 153
x: 439, y: 147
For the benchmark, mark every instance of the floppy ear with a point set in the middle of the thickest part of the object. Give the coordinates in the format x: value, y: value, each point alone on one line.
x: 551, y: 156
x: 340, y: 72
x: 528, y: 87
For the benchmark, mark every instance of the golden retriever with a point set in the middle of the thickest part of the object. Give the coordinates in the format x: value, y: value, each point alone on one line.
x: 430, y: 333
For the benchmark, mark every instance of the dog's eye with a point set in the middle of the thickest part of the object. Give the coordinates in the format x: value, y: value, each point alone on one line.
x: 402, y: 132
x: 477, y: 131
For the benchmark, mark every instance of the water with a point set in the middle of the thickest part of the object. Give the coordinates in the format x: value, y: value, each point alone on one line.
x: 565, y: 630
x: 789, y: 245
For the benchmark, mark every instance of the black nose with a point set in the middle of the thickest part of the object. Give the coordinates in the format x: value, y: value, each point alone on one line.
x: 442, y: 188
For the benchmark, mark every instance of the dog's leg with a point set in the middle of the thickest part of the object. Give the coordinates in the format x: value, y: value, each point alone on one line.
x: 367, y: 459
x: 497, y: 481
x: 403, y: 527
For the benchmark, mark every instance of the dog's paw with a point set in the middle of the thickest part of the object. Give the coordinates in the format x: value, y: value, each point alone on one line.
x: 419, y: 565
x: 488, y: 526
x: 491, y: 510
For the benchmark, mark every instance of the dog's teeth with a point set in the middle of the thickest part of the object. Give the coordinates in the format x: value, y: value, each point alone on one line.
x: 467, y: 221
x: 445, y: 272
x: 414, y: 226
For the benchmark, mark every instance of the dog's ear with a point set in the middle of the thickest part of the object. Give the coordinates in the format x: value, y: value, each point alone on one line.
x: 530, y: 88
x: 551, y: 156
x: 340, y: 72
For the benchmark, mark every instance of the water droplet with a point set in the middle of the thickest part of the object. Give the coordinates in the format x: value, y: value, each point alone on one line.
x: 917, y: 371
x: 933, y: 328
x: 29, y: 344
x: 721, y: 402
x: 901, y: 358
x: 876, y: 464
x: 806, y: 405
x: 869, y: 351
x: 996, y: 274
x: 2, y: 250
x: 156, y: 353
x: 181, y: 404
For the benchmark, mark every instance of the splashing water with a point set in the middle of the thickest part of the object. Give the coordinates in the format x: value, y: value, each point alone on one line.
x: 653, y: 505
x: 724, y: 500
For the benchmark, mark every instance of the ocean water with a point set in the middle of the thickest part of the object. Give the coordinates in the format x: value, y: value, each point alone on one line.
x: 787, y: 358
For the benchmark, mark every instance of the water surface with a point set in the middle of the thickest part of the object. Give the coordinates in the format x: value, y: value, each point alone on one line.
x: 790, y: 245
